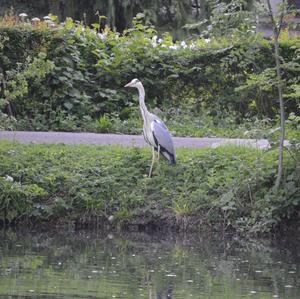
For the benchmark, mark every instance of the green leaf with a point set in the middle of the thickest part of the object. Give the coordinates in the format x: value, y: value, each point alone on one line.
x: 96, y: 25
x: 68, y: 105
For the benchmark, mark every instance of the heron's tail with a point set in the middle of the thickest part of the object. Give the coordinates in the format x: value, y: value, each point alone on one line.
x: 172, y: 159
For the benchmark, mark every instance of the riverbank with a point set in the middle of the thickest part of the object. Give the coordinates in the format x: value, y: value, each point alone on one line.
x: 223, y: 188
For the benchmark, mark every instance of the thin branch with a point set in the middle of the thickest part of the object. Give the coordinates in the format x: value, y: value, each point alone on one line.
x: 276, y: 31
x: 282, y: 13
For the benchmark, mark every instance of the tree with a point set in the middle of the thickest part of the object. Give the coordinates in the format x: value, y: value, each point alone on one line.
x: 277, y: 22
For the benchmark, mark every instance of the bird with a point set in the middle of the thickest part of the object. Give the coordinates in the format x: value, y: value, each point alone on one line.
x: 155, y: 132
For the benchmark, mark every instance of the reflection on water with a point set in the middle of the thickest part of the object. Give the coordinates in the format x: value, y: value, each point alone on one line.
x: 88, y: 264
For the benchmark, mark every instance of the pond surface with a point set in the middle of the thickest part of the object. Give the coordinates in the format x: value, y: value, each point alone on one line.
x: 85, y: 264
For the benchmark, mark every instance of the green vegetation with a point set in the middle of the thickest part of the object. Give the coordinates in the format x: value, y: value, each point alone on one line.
x: 226, y: 188
x: 71, y: 78
x: 168, y: 15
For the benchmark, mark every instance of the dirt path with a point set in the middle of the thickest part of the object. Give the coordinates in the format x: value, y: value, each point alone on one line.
x: 123, y: 140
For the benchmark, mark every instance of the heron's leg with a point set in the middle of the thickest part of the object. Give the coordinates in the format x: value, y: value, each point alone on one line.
x: 153, y: 159
x: 158, y: 153
x: 158, y: 156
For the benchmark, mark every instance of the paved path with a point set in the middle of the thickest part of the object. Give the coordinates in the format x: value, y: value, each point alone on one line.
x: 123, y: 140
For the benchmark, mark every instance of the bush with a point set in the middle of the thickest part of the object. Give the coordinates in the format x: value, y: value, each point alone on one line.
x: 69, y: 77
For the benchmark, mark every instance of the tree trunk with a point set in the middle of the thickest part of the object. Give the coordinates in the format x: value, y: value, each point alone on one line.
x: 276, y: 32
x: 282, y: 116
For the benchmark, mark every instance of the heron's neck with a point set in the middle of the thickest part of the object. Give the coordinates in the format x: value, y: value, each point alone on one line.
x: 143, y: 107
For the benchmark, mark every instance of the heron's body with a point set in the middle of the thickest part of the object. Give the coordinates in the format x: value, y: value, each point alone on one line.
x: 155, y: 131
x: 157, y: 135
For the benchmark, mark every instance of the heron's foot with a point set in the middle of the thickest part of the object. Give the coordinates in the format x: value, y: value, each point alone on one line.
x: 154, y: 170
x: 158, y: 166
x: 150, y: 173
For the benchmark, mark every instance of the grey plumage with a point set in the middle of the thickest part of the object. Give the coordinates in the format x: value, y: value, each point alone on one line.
x: 155, y: 131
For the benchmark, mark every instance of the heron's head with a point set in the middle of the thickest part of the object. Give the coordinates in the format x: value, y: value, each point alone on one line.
x: 133, y: 83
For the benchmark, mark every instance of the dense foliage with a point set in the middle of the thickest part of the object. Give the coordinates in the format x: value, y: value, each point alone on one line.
x: 72, y: 77
x: 228, y: 188
x: 166, y: 15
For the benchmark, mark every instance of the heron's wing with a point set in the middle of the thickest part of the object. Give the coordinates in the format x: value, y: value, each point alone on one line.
x: 162, y: 135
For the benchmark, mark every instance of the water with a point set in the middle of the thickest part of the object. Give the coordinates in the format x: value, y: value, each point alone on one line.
x: 85, y: 264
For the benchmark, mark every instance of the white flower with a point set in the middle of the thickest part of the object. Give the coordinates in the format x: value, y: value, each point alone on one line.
x: 192, y: 46
x: 102, y: 36
x: 183, y: 44
x: 35, y: 20
x: 154, y: 41
x: 207, y: 40
x: 174, y: 47
x: 8, y: 178
x: 47, y: 18
x: 23, y: 15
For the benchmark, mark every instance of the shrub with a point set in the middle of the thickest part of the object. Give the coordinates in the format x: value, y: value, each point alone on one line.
x: 82, y: 73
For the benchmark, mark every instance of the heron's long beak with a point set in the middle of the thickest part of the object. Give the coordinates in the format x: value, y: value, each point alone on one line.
x: 127, y: 85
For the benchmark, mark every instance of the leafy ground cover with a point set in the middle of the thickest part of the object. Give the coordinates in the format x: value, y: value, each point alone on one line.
x: 223, y: 188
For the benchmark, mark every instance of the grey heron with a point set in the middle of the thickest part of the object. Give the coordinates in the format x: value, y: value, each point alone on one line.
x: 155, y: 132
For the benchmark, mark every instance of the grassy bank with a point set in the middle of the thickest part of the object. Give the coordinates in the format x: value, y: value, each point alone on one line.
x: 224, y: 188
